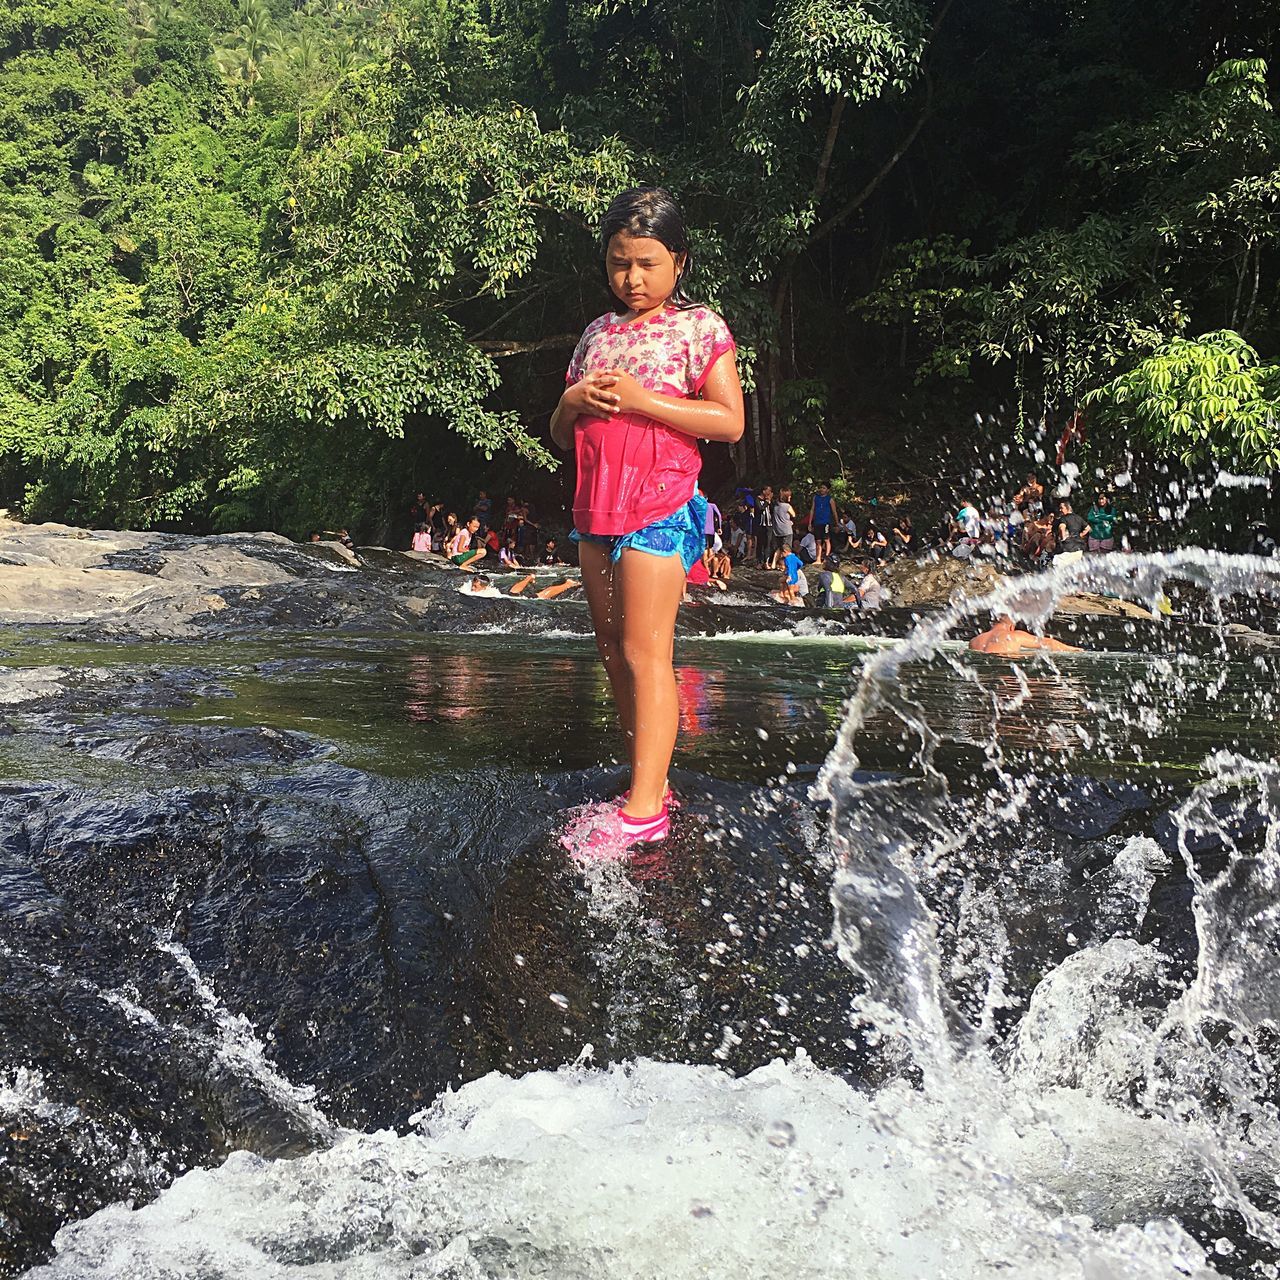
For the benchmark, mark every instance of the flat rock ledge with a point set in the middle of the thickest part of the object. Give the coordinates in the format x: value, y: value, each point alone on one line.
x: 107, y: 584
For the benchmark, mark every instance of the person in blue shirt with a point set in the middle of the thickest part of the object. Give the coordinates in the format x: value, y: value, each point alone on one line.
x: 823, y: 518
x: 795, y: 586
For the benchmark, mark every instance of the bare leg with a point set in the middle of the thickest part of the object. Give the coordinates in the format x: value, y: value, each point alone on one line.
x: 517, y: 587
x: 599, y: 580
x: 650, y: 588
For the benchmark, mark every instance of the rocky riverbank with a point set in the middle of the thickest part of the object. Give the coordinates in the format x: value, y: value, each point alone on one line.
x: 103, y: 584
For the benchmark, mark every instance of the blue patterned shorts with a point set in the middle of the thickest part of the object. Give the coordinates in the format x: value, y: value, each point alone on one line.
x: 682, y: 533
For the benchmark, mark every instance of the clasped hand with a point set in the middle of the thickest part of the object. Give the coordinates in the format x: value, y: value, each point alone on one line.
x: 607, y: 393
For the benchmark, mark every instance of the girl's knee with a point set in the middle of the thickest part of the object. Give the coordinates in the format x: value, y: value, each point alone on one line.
x: 609, y: 647
x: 647, y: 657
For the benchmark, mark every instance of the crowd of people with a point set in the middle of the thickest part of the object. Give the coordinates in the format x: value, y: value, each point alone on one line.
x: 765, y: 529
x: 1032, y: 529
x: 510, y: 541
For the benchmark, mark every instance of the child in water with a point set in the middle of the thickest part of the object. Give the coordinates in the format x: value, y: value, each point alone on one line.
x: 646, y: 382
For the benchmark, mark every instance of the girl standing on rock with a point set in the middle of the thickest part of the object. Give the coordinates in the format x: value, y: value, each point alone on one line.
x: 646, y: 382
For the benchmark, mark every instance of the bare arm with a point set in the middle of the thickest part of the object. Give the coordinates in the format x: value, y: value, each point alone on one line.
x: 717, y: 416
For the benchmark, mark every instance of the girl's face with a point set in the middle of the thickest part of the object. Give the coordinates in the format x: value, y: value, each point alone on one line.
x: 642, y: 271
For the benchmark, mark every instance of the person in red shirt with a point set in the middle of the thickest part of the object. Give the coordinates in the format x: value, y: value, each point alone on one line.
x: 646, y: 382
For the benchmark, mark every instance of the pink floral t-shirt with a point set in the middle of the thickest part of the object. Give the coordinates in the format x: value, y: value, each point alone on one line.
x: 631, y: 469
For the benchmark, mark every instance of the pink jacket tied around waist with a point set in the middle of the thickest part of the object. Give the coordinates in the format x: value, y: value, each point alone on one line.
x: 633, y: 470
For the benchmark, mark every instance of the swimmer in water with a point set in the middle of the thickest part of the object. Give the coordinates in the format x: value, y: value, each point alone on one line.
x: 481, y: 586
x: 1004, y: 640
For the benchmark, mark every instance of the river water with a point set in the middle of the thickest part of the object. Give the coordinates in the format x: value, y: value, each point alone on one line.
x: 951, y: 967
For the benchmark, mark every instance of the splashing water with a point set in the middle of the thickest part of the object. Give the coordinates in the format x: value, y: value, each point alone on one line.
x: 1102, y: 1111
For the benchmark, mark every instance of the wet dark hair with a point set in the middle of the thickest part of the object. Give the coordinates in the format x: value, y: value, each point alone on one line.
x: 652, y: 213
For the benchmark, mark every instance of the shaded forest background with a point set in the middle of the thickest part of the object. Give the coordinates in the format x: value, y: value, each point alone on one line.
x: 277, y: 264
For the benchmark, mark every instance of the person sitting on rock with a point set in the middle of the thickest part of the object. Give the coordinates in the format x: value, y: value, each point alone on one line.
x: 549, y: 553
x: 422, y: 538
x: 459, y: 548
x: 719, y: 564
x: 508, y: 557
x: 867, y: 591
x: 1030, y: 497
x: 1005, y: 640
x: 874, y: 543
x: 903, y: 536
x: 808, y: 548
x: 831, y: 584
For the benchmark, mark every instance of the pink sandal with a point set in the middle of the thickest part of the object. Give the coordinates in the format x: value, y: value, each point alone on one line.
x: 602, y: 832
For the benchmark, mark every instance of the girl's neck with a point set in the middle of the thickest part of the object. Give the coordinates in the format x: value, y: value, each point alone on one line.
x: 639, y: 317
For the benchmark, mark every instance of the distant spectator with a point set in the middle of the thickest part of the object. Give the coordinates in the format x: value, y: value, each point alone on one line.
x: 550, y: 555
x: 784, y: 515
x: 867, y: 589
x: 526, y: 537
x: 848, y: 533
x: 903, y: 536
x: 765, y: 544
x: 719, y: 565
x: 713, y: 525
x: 422, y: 538
x: 314, y: 536
x: 795, y: 586
x: 419, y: 511
x: 808, y: 548
x: 823, y: 518
x: 1069, y: 534
x: 508, y: 557
x: 437, y: 520
x: 1030, y: 498
x: 831, y: 583
x: 742, y: 537
x: 1038, y: 539
x: 1102, y: 523
x: 873, y: 542
x: 459, y: 548
x: 482, y: 509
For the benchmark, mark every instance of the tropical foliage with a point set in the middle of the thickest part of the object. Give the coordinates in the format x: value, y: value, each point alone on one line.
x: 274, y: 263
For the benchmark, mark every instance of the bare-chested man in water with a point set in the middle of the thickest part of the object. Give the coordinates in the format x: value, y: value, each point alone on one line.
x: 1006, y: 641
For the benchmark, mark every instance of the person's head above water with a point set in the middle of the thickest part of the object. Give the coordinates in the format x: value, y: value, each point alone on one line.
x: 646, y: 250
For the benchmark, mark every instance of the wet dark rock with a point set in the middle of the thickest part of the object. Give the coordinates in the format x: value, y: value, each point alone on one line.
x: 364, y: 932
x: 1229, y: 821
x: 166, y: 746
x: 1087, y: 808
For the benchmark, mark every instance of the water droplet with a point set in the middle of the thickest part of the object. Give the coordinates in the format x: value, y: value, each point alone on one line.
x: 780, y: 1134
x: 560, y: 1002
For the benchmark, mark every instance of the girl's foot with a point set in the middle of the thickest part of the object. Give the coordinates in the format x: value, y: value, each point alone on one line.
x: 601, y: 832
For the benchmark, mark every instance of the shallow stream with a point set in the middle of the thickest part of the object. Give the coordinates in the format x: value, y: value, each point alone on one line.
x: 292, y: 958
